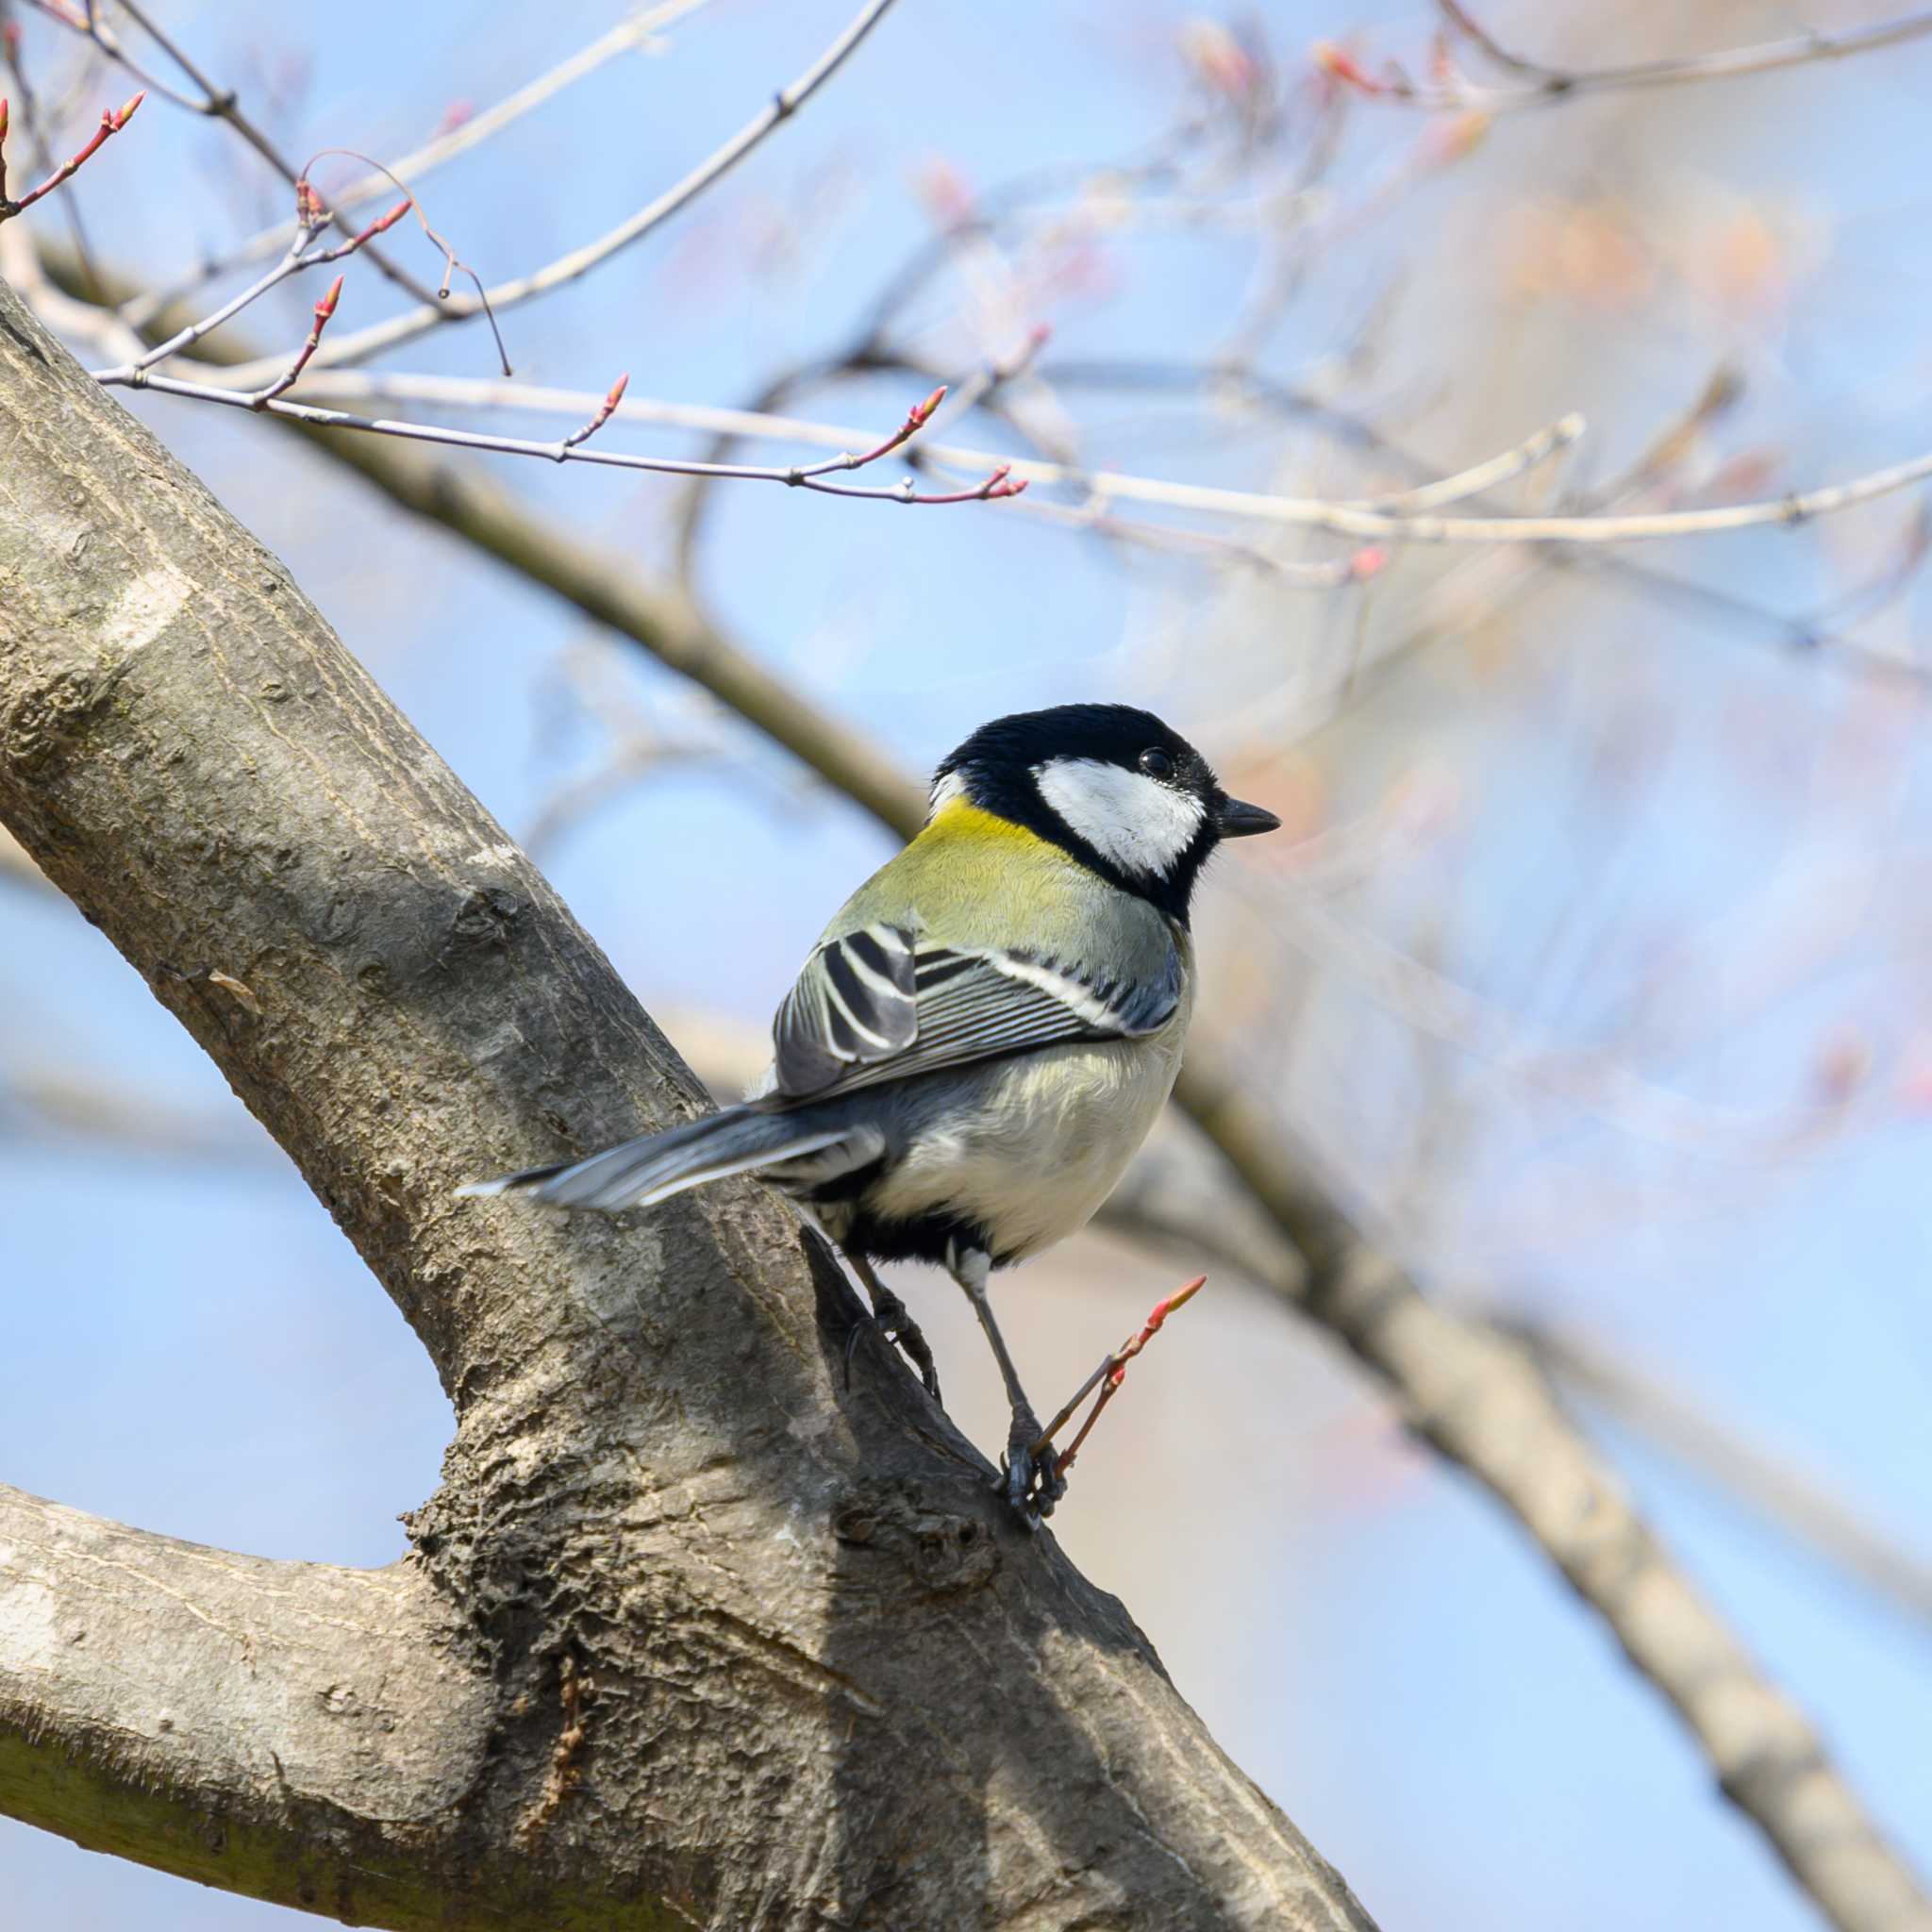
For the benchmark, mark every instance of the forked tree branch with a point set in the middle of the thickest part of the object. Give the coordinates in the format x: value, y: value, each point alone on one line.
x: 703, y: 1607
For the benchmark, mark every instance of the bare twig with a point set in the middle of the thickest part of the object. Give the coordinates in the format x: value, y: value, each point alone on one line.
x: 324, y: 308
x: 298, y: 256
x: 113, y: 121
x: 1359, y: 518
x: 216, y: 103
x: 43, y: 156
x: 1108, y: 1377
x: 998, y: 484
x: 636, y: 31
x: 1537, y: 85
x: 580, y: 261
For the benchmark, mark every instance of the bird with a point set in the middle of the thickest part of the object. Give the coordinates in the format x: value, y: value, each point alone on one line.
x: 983, y: 1035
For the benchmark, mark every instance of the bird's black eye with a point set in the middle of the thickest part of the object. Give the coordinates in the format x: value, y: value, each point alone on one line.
x: 1156, y: 763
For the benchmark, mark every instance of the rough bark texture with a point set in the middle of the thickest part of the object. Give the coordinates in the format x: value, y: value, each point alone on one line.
x: 690, y: 1635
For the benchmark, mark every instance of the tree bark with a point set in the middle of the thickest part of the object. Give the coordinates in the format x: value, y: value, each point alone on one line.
x: 689, y: 1634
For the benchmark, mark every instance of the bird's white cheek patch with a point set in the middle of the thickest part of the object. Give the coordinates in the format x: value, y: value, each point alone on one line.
x: 1139, y: 823
x: 944, y: 793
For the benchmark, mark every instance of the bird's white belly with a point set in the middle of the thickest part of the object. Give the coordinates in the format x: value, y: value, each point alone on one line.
x: 1052, y: 1136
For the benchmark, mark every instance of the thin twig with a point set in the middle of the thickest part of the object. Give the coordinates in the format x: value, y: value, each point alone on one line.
x: 1110, y: 1376
x: 580, y: 261
x: 113, y: 121
x: 634, y: 32
x: 44, y: 159
x: 1350, y: 517
x: 998, y: 484
x: 298, y: 256
x: 216, y: 103
x: 324, y: 311
x: 1540, y: 86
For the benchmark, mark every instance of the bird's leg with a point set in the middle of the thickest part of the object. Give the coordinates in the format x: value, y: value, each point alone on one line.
x: 1033, y: 1483
x: 890, y: 1315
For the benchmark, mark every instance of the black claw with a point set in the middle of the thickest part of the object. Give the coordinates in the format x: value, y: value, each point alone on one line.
x: 1032, y: 1481
x: 890, y: 1322
x: 900, y: 1327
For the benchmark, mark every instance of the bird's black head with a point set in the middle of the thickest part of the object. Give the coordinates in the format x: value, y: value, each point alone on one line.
x: 1113, y: 786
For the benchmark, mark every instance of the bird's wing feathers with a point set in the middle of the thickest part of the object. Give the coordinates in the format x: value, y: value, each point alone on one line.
x: 854, y: 1003
x: 918, y: 1006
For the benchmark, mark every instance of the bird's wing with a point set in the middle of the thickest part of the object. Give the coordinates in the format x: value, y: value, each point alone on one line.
x: 854, y: 1003
x: 878, y: 1004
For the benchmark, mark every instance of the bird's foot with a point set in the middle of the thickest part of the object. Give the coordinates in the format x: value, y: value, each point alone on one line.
x: 889, y: 1319
x: 1032, y: 1482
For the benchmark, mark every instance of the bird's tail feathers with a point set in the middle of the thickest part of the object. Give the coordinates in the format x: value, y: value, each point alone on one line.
x: 636, y: 1173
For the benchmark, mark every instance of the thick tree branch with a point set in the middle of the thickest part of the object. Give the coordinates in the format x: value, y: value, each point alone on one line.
x: 723, y: 1608
x: 205, y: 1711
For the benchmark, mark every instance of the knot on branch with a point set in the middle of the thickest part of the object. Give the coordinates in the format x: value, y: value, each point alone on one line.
x: 944, y: 1551
x: 489, y: 916
x: 42, y: 724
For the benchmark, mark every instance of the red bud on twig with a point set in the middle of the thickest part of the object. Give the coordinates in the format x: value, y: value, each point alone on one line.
x: 113, y: 122
x: 324, y: 309
x: 1108, y: 1377
x: 380, y: 224
x: 604, y: 410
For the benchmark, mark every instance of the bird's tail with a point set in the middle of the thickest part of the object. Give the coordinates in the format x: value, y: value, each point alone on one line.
x: 637, y: 1172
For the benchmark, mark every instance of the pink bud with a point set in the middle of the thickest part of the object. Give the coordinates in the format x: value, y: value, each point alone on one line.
x: 1343, y: 66
x: 326, y: 306
x: 1367, y: 561
x: 617, y: 389
x: 126, y: 114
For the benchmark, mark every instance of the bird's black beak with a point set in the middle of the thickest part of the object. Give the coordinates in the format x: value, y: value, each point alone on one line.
x: 1237, y: 821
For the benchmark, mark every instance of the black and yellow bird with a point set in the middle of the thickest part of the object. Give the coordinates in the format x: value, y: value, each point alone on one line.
x: 986, y: 1031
